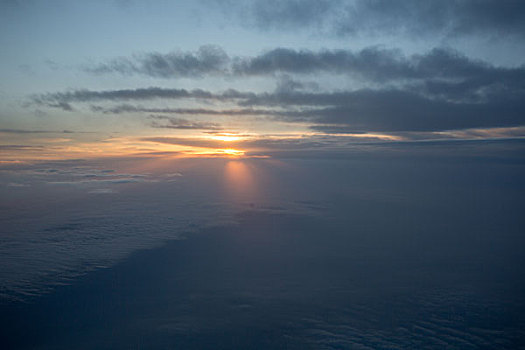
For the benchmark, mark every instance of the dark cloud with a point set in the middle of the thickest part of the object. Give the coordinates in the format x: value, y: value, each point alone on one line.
x: 396, y: 110
x: 159, y: 121
x: 449, y: 18
x: 102, y: 191
x: 22, y: 131
x: 378, y: 65
x: 441, y: 72
x: 61, y: 105
x: 286, y: 83
x: 58, y: 98
x: 439, y: 90
x: 336, y: 129
x: 360, y: 110
x: 409, y: 17
x: 278, y: 14
x: 207, y: 60
x: 460, y: 151
x: 302, y: 143
x: 374, y: 63
x: 122, y: 180
x: 127, y: 108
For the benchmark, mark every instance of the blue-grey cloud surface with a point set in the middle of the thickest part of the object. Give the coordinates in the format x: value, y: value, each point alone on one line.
x: 439, y: 90
x: 383, y: 17
x: 354, y: 170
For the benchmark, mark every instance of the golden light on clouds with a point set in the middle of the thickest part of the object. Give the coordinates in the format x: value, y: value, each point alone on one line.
x: 232, y: 152
x: 383, y: 137
x: 225, y: 138
x: 207, y: 152
x: 25, y: 147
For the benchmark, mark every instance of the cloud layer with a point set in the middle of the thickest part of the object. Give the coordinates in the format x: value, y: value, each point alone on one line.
x: 455, y: 18
x: 439, y: 90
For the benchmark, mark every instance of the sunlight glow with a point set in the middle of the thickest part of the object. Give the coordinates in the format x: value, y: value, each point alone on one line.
x: 231, y: 152
x: 226, y: 138
x: 240, y: 182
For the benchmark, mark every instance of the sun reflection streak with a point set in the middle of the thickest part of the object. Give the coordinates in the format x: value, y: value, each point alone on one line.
x: 240, y: 182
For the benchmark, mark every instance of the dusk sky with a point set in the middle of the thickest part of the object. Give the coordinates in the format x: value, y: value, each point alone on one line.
x: 198, y: 77
x: 220, y: 174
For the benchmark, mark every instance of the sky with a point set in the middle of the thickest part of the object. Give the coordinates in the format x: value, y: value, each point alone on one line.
x: 253, y: 78
x: 262, y: 174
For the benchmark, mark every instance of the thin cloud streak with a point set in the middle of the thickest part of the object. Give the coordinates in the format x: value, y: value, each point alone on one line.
x: 84, y: 95
x: 23, y: 131
x: 127, y: 108
x: 208, y: 60
x: 159, y: 121
x: 361, y: 110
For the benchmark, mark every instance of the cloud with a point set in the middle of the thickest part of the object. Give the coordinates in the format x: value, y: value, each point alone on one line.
x: 396, y: 110
x: 455, y: 18
x: 185, y: 141
x: 438, y: 66
x: 276, y: 14
x: 207, y: 60
x: 160, y: 121
x: 371, y: 64
x: 360, y: 110
x: 17, y: 184
x: 490, y: 133
x: 260, y: 143
x: 127, y: 108
x: 441, y: 72
x: 103, y: 191
x: 436, y: 91
x: 451, y: 150
x: 123, y: 180
x: 286, y: 83
x: 20, y: 148
x: 22, y: 131
x: 62, y: 105
x: 56, y: 99
x: 69, y: 173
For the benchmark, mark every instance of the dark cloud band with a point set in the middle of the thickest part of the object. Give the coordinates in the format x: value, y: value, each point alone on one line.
x: 361, y: 110
x: 453, y: 18
x: 439, y: 90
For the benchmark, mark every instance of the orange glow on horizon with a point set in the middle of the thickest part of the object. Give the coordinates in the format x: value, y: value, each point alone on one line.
x: 209, y: 152
x: 112, y: 147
